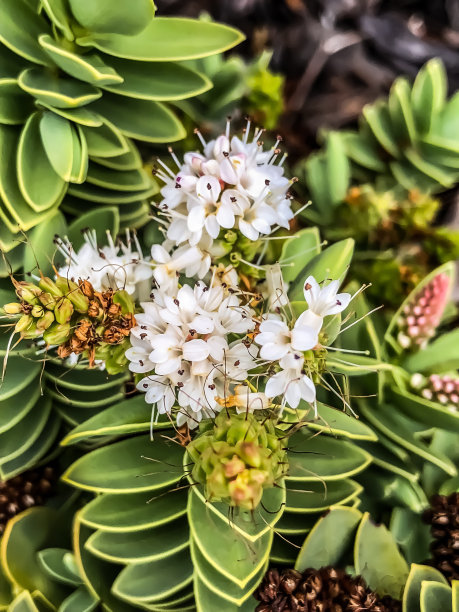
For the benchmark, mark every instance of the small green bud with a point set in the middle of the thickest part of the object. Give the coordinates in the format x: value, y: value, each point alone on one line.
x: 12, y: 308
x: 72, y: 291
x: 63, y: 311
x: 24, y: 322
x: 28, y: 292
x: 37, y: 311
x: 48, y: 285
x: 45, y: 321
x: 47, y: 300
x: 32, y: 332
x: 57, y: 333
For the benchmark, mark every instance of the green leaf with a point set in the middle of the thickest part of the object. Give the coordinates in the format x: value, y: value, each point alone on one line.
x: 100, y: 219
x: 444, y: 176
x: 445, y: 127
x: 132, y: 465
x: 78, y: 173
x: 24, y: 536
x: 411, y: 534
x: 220, y: 584
x: 19, y: 375
x: 400, y: 111
x: 15, y: 105
x: 100, y: 195
x: 334, y: 422
x: 57, y: 139
x: 20, y: 27
x: 142, y: 545
x: 297, y: 250
x: 89, y: 68
x: 419, y: 574
x: 159, y: 81
x: 307, y: 497
x: 154, y: 581
x: 433, y: 414
x: 378, y: 118
x: 168, y: 39
x: 435, y: 597
x: 455, y: 592
x: 440, y: 355
x: 52, y: 561
x: 102, y: 16
x: 378, y: 560
x: 121, y: 180
x: 362, y: 150
x: 208, y: 600
x: 316, y: 180
x: 23, y: 603
x: 396, y: 426
x: 80, y: 115
x: 38, y: 182
x: 428, y: 94
x: 141, y: 119
x: 106, y: 140
x: 133, y: 512
x: 338, y: 168
x: 57, y: 11
x: 126, y: 161
x: 62, y: 92
x: 322, y: 547
x: 332, y: 263
x: 225, y: 548
x: 81, y: 600
x: 392, y: 490
x: 10, y: 413
x: 40, y: 248
x: 313, y: 458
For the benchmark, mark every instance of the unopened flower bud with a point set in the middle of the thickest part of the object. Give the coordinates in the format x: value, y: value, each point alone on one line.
x: 12, y: 308
x: 28, y: 292
x: 63, y: 310
x: 24, y: 322
x: 45, y: 321
x: 57, y: 334
x: 73, y: 292
x: 48, y: 285
x: 47, y: 300
x: 37, y: 311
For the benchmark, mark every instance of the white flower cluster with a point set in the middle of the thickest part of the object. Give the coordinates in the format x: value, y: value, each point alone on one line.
x: 233, y: 184
x: 115, y: 266
x: 286, y: 346
x: 181, y: 344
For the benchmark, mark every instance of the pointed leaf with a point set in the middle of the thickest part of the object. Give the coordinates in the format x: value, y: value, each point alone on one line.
x: 15, y: 105
x: 419, y: 574
x: 142, y: 119
x: 52, y: 561
x: 81, y: 600
x: 435, y: 597
x: 102, y: 16
x: 62, y: 92
x: 338, y: 168
x: 297, y: 251
x: 441, y: 355
x: 307, y: 497
x: 40, y: 248
x: 378, y: 560
x: 57, y: 139
x: 38, y: 182
x: 322, y: 547
x: 106, y: 140
x: 100, y: 220
x: 168, y: 39
x: 209, y: 600
x: 132, y: 465
x: 428, y: 93
x: 20, y: 27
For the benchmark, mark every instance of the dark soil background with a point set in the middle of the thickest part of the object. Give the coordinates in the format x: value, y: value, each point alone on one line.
x: 336, y: 55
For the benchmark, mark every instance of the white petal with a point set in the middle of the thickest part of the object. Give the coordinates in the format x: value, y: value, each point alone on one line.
x: 208, y: 188
x: 311, y: 290
x: 275, y: 385
x: 310, y: 319
x: 212, y: 226
x: 248, y: 231
x: 307, y: 389
x: 159, y: 254
x: 225, y: 217
x: 228, y: 172
x: 195, y: 350
x: 304, y: 338
x: 196, y: 218
x: 273, y: 352
x: 342, y: 302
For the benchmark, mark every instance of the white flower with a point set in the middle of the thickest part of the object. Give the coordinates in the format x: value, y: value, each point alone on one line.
x: 184, y: 259
x: 181, y: 342
x: 277, y: 340
x: 108, y: 267
x: 291, y: 383
x: 234, y: 184
x: 322, y: 302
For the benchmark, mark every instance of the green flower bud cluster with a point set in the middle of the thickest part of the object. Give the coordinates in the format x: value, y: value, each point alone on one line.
x: 315, y: 364
x: 46, y: 308
x: 236, y: 458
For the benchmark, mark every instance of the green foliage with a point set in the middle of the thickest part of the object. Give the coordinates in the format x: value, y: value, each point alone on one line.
x: 77, y: 81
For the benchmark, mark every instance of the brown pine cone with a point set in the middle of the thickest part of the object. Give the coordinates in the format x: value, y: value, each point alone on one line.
x: 24, y: 491
x: 325, y: 590
x: 443, y: 516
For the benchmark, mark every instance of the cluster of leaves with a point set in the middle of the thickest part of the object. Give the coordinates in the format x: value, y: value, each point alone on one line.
x: 378, y: 184
x: 77, y: 83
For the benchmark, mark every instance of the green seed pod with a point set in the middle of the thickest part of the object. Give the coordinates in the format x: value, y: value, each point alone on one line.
x: 47, y: 300
x: 37, y: 311
x: 32, y: 332
x: 24, y: 323
x: 237, y: 458
x: 27, y: 292
x: 12, y: 308
x: 63, y: 310
x: 72, y: 292
x: 125, y: 301
x: 45, y: 321
x: 48, y: 285
x: 57, y: 334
